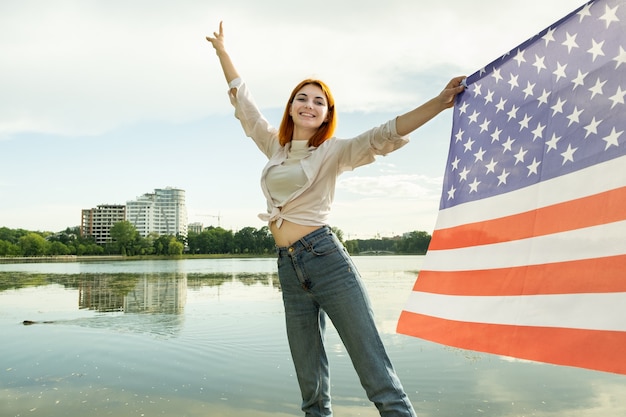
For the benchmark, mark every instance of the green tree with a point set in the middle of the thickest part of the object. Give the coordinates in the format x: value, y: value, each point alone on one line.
x: 253, y: 241
x: 125, y: 236
x: 182, y: 239
x: 192, y: 242
x: 352, y: 246
x: 175, y: 247
x: 67, y: 237
x: 12, y: 235
x: 244, y: 240
x: 142, y: 246
x: 58, y: 248
x: 264, y: 240
x: 161, y: 244
x: 223, y: 240
x: 414, y: 243
x: 82, y: 249
x: 204, y: 242
x: 8, y: 248
x: 33, y: 244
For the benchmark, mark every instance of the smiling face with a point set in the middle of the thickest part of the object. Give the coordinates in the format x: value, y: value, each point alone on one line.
x: 315, y: 122
x: 309, y: 109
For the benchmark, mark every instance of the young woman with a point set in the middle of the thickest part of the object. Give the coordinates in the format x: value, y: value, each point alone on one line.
x: 318, y: 279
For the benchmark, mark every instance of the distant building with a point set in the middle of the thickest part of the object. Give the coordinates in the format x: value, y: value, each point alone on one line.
x: 97, y: 222
x: 195, y: 227
x: 163, y: 212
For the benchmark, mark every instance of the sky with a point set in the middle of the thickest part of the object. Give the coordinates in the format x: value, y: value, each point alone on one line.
x: 104, y: 101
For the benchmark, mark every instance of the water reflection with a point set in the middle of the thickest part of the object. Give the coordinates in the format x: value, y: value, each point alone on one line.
x: 152, y: 302
x: 206, y: 338
x: 197, y: 280
x: 165, y: 294
x: 128, y: 292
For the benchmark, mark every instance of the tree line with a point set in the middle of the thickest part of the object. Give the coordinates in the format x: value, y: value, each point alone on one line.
x: 125, y: 240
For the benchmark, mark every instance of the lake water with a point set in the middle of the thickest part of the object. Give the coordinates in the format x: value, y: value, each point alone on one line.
x: 205, y: 337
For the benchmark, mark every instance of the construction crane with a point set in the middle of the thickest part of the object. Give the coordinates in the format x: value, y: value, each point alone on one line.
x: 218, y: 217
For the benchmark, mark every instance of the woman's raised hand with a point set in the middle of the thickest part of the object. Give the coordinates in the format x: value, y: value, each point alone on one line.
x: 454, y: 87
x: 230, y: 72
x: 218, y: 39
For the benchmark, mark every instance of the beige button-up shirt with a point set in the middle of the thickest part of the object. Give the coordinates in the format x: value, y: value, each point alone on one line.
x: 310, y: 205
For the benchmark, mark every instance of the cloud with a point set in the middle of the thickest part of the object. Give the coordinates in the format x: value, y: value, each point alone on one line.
x: 385, y: 205
x: 85, y: 67
x: 405, y: 186
x: 88, y: 67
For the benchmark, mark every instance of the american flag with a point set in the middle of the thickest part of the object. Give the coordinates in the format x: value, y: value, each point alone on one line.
x: 528, y: 256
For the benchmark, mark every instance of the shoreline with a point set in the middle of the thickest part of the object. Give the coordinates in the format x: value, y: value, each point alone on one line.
x: 96, y: 258
x: 99, y: 258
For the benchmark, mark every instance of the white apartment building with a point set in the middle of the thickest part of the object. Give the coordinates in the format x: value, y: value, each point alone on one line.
x: 162, y: 212
x: 97, y: 222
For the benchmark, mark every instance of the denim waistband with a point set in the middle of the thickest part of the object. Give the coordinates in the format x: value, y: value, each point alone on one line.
x: 304, y: 242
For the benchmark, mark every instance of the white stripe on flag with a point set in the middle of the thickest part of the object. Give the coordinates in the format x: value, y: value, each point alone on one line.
x: 589, y: 181
x: 602, y: 311
x: 586, y: 243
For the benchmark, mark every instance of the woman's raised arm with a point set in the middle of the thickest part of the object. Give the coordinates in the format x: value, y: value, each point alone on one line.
x: 410, y: 121
x: 230, y: 72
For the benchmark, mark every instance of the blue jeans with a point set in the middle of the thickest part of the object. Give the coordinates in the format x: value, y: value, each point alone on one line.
x: 318, y: 278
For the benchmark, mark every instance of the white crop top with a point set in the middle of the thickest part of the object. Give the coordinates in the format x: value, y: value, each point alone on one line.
x: 285, y: 179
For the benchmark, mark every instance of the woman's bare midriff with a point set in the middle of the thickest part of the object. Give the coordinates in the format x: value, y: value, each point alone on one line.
x: 289, y: 232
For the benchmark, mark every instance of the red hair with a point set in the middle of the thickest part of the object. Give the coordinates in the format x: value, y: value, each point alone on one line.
x: 325, y: 131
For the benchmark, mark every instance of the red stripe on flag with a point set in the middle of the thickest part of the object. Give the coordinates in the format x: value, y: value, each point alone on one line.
x: 606, y: 207
x: 598, y: 275
x: 592, y: 349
